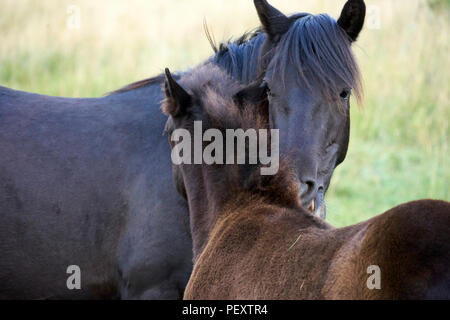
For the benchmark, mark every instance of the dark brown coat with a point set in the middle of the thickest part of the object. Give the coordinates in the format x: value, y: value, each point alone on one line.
x: 247, y: 255
x: 253, y: 240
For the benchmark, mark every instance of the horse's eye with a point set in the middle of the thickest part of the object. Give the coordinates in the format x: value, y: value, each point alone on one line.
x: 345, y: 94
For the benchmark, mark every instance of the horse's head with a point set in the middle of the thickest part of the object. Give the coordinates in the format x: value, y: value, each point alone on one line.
x: 207, y: 97
x: 310, y: 73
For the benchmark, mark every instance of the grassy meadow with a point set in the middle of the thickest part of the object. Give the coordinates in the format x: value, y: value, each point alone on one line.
x: 399, y: 146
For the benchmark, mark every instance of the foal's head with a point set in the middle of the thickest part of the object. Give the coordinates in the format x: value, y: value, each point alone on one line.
x: 208, y: 95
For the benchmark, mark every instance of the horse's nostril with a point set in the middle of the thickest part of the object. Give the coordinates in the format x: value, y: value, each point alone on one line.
x: 308, y: 191
x: 310, y: 184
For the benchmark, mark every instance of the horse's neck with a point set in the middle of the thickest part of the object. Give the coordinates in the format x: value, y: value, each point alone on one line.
x: 211, y: 194
x: 241, y: 61
x: 253, y: 220
x: 214, y: 207
x: 205, y: 204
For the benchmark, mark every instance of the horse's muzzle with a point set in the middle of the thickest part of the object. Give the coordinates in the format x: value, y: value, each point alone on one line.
x: 317, y: 206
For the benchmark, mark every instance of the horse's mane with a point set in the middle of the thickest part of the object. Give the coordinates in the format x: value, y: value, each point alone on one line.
x: 239, y: 57
x: 214, y: 90
x: 139, y: 84
x: 314, y: 45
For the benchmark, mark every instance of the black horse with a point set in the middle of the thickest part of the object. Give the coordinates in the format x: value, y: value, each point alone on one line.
x: 87, y: 182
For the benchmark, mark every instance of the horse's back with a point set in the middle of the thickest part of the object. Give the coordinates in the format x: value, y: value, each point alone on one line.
x: 53, y: 195
x: 75, y: 187
x: 411, y: 245
x: 263, y: 254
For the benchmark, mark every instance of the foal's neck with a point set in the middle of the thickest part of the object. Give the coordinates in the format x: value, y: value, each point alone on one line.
x: 206, y: 198
x: 211, y: 198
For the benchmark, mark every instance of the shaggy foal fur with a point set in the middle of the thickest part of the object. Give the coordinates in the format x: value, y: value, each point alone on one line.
x: 252, y: 240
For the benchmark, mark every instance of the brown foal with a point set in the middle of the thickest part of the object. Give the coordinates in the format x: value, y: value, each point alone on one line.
x: 252, y: 239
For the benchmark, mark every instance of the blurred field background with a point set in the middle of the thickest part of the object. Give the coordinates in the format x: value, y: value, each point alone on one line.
x: 399, y: 146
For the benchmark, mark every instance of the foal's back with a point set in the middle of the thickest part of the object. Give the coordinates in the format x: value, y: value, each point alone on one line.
x: 278, y: 253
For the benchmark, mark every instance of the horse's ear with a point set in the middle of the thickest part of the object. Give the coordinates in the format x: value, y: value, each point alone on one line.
x: 274, y: 23
x: 177, y: 99
x: 352, y: 18
x: 255, y: 94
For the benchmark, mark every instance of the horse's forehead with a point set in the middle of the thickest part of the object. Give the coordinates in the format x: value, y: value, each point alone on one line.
x: 287, y: 82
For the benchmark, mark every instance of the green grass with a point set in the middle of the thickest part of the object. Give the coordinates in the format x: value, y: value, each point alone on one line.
x: 439, y: 4
x: 399, y: 142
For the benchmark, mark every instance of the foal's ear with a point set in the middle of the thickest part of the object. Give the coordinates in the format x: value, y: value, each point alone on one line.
x: 352, y: 18
x: 274, y: 23
x: 255, y: 94
x: 177, y: 99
